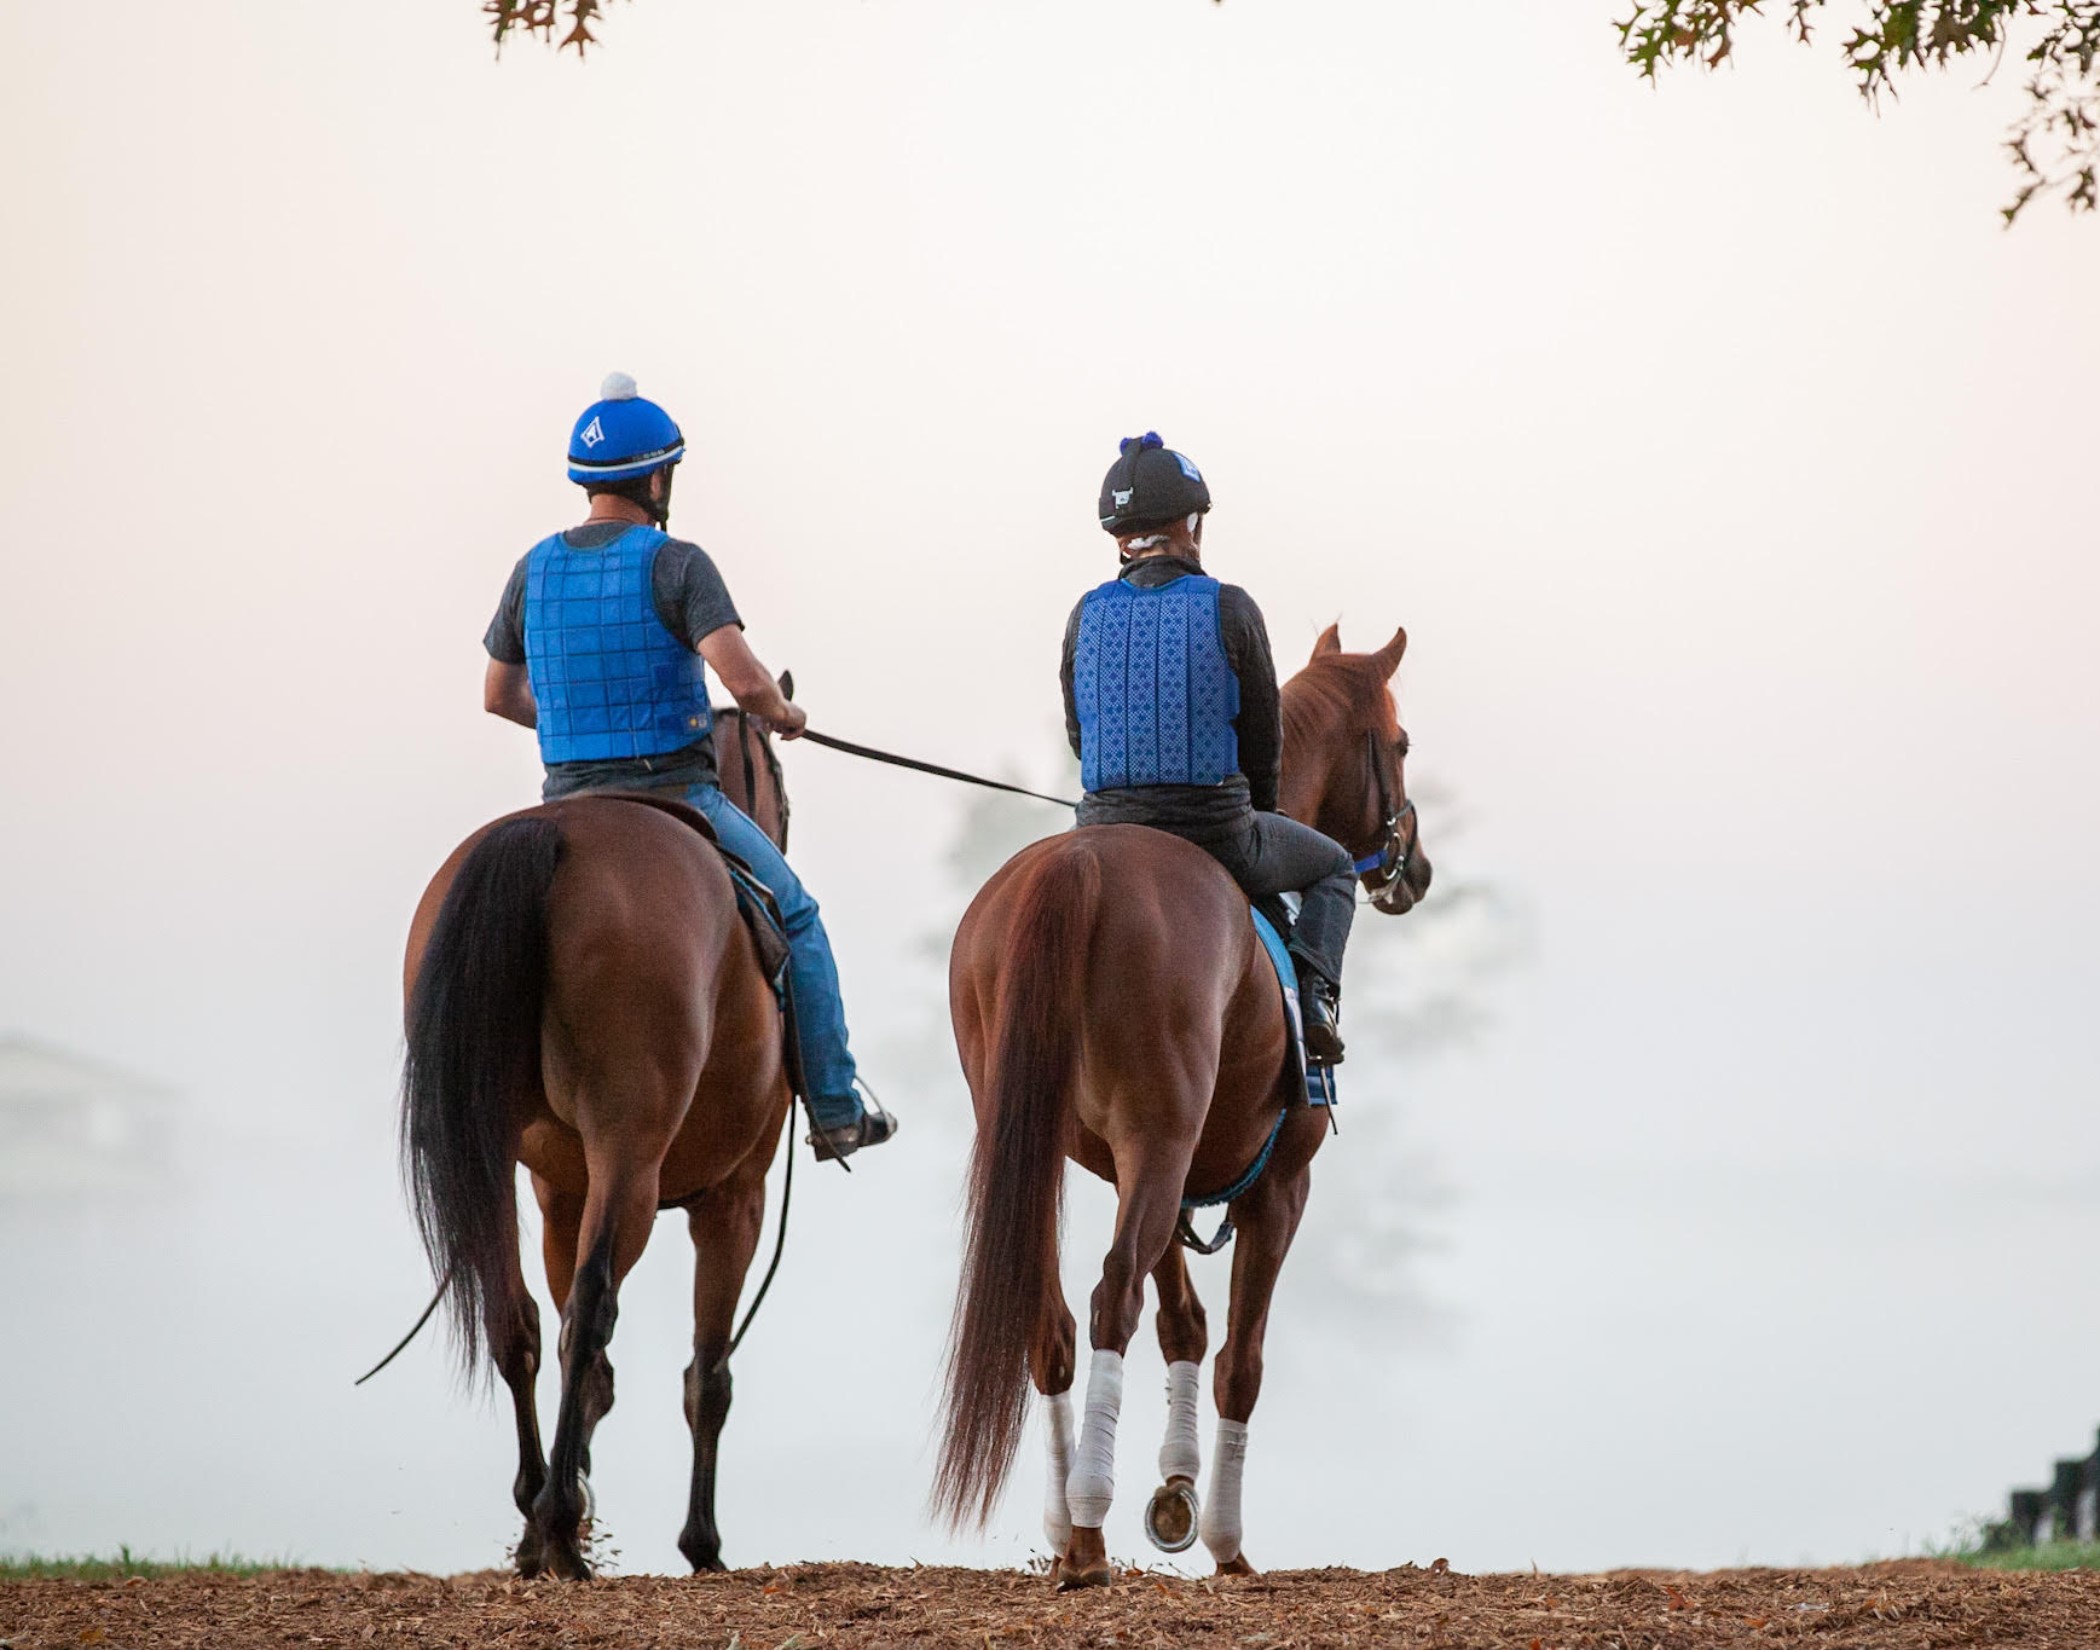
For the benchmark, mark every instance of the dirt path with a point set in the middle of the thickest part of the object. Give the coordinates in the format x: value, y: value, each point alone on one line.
x: 859, y: 1607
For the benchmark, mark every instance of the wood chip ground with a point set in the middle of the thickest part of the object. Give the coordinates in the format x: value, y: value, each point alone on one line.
x: 1901, y: 1606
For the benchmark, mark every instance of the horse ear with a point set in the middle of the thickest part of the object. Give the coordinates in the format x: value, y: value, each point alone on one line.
x: 1388, y: 657
x: 1330, y: 640
x: 787, y: 684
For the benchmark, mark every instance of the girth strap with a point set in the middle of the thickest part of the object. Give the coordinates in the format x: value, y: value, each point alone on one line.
x: 1186, y: 1232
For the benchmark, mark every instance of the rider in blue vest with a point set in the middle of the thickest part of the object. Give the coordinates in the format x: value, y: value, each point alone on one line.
x: 598, y: 643
x: 1172, y: 707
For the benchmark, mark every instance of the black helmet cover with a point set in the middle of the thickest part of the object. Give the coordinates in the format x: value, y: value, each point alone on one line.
x: 1150, y: 485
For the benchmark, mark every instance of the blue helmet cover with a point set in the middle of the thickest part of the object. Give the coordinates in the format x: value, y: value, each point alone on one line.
x: 621, y: 436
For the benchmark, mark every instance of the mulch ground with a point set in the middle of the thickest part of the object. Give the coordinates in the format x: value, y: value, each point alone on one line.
x: 1904, y: 1606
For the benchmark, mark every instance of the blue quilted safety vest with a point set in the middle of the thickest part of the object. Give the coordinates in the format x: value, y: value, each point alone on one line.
x: 1155, y: 692
x: 611, y: 681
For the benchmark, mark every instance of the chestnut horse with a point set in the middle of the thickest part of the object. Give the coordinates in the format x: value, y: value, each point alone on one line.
x: 584, y: 999
x: 1113, y: 1005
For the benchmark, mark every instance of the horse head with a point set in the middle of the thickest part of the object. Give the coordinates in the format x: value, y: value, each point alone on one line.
x: 1345, y: 766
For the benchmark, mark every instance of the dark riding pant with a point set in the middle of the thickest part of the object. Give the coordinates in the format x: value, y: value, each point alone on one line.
x: 1266, y: 854
x: 1271, y: 854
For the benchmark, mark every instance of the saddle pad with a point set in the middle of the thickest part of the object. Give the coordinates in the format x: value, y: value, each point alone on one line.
x: 1318, y: 1081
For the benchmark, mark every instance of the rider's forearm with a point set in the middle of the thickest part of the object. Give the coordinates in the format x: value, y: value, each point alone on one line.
x: 507, y: 692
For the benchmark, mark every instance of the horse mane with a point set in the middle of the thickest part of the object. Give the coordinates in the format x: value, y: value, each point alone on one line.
x: 1330, y: 693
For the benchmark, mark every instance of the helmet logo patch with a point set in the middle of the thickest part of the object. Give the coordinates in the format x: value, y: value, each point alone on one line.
x: 1122, y: 497
x: 1188, y: 469
x: 593, y: 433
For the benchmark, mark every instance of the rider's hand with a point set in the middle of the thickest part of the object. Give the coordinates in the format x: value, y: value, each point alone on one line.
x: 790, y: 725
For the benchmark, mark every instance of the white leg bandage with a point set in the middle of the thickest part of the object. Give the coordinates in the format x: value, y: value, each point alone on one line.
x: 1221, y: 1508
x: 1093, y: 1481
x: 1181, y: 1456
x: 1057, y: 1512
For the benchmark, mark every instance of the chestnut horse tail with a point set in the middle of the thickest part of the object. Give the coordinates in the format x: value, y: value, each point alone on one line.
x: 1017, y: 1174
x: 473, y: 1049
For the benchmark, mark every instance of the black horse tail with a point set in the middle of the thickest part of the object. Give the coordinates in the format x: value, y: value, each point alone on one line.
x: 1017, y: 1175
x: 473, y: 1049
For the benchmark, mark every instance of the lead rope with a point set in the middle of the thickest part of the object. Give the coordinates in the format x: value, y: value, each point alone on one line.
x: 787, y: 1193
x: 871, y: 754
x: 401, y: 1345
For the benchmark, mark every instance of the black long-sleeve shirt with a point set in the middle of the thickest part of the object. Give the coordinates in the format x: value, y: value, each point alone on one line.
x: 1259, y: 724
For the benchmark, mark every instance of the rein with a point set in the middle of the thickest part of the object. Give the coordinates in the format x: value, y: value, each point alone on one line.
x: 891, y: 759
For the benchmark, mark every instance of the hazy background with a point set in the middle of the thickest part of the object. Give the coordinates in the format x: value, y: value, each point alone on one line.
x: 1730, y: 468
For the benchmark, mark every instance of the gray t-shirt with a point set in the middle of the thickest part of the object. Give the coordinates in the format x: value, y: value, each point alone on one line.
x: 692, y: 601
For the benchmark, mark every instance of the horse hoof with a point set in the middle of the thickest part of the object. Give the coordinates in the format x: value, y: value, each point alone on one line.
x: 1170, y: 1518
x: 1236, y: 1565
x: 531, y: 1556
x: 1070, y: 1580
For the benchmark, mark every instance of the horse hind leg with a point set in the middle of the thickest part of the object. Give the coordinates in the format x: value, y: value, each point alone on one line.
x: 513, y: 1329
x: 1052, y: 1364
x: 1148, y: 1205
x: 1184, y: 1336
x: 615, y: 1226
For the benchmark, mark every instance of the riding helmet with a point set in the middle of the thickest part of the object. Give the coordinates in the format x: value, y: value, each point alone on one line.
x: 621, y: 436
x: 1150, y: 485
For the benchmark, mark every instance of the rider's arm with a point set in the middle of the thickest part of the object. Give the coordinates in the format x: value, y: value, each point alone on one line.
x: 749, y: 682
x: 506, y: 691
x: 1064, y: 677
x: 1260, y: 722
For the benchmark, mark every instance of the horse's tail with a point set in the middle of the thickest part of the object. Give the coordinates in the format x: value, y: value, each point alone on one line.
x: 473, y: 1048
x: 1017, y: 1174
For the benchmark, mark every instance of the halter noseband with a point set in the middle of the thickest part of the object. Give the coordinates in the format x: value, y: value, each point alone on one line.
x: 1388, y: 865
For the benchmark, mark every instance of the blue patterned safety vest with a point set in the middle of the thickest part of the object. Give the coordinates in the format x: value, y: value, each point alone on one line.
x: 1155, y: 692
x: 611, y: 681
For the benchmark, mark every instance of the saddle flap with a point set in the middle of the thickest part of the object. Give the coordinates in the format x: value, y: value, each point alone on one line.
x: 1272, y: 922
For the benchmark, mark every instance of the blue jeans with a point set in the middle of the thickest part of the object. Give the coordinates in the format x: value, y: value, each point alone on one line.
x: 820, y: 1015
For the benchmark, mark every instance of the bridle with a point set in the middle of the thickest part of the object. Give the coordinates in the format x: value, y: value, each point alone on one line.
x: 1381, y: 870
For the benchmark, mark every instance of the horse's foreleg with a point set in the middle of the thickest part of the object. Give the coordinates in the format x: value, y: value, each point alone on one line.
x: 725, y: 1226
x: 615, y: 1227
x: 1267, y: 1218
x: 1148, y: 1204
x: 1052, y: 1365
x: 1184, y: 1336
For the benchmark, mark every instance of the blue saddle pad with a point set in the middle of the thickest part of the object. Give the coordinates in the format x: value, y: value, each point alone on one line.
x: 1318, y: 1080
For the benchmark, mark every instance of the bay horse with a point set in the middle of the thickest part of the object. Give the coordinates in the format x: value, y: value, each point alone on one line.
x: 1113, y: 1006
x: 584, y: 998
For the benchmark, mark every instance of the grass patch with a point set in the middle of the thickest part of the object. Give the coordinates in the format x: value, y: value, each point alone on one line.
x: 36, y: 1567
x: 2050, y: 1555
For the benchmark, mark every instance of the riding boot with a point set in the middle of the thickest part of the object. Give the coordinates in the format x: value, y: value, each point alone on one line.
x: 832, y: 1141
x: 1320, y: 1006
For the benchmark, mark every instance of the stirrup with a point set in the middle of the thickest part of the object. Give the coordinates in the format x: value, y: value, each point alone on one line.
x: 871, y: 1128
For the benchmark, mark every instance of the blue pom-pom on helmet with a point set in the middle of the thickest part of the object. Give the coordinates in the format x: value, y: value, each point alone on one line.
x: 622, y: 436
